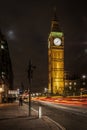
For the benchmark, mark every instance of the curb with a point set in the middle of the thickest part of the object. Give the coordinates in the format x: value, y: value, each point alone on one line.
x: 58, y: 126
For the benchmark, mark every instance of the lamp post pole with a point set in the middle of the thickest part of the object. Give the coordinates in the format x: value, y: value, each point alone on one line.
x: 29, y: 89
x: 30, y: 74
x: 30, y: 99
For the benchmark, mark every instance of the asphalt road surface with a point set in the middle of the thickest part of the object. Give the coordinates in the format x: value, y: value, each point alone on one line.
x: 71, y: 118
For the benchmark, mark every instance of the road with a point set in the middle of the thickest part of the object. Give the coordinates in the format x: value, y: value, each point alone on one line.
x: 71, y: 118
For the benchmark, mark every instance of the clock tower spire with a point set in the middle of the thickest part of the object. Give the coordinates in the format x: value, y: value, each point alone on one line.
x: 55, y: 57
x: 54, y: 23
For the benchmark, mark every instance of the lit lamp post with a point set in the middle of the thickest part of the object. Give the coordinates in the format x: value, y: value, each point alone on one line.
x: 30, y: 74
x: 84, y: 78
x: 74, y: 88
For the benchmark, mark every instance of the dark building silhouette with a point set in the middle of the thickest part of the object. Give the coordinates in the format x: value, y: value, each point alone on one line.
x: 6, y: 73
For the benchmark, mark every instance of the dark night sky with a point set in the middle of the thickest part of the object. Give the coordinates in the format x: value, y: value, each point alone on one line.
x: 26, y: 25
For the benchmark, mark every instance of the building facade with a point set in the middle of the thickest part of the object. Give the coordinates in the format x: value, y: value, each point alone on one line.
x: 55, y: 58
x: 6, y: 73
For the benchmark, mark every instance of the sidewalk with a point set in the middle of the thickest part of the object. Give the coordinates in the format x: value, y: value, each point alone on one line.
x: 15, y: 117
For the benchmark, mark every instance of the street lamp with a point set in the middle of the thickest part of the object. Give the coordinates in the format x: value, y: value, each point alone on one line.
x: 83, y: 76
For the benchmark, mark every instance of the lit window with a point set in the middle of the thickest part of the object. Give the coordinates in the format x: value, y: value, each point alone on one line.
x: 70, y: 83
x: 2, y: 47
x: 66, y: 83
x: 70, y: 87
x: 74, y: 83
x: 3, y: 72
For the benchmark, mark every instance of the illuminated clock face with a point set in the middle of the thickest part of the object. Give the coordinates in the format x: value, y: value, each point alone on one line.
x: 57, y: 41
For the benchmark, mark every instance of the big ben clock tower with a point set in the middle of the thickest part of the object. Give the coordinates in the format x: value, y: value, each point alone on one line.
x: 55, y: 58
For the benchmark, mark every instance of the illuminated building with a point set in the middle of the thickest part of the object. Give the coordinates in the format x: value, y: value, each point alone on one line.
x: 72, y: 84
x: 55, y: 58
x: 6, y: 73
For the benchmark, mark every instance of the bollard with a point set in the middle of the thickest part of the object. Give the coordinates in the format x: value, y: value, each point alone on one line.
x: 40, y: 112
